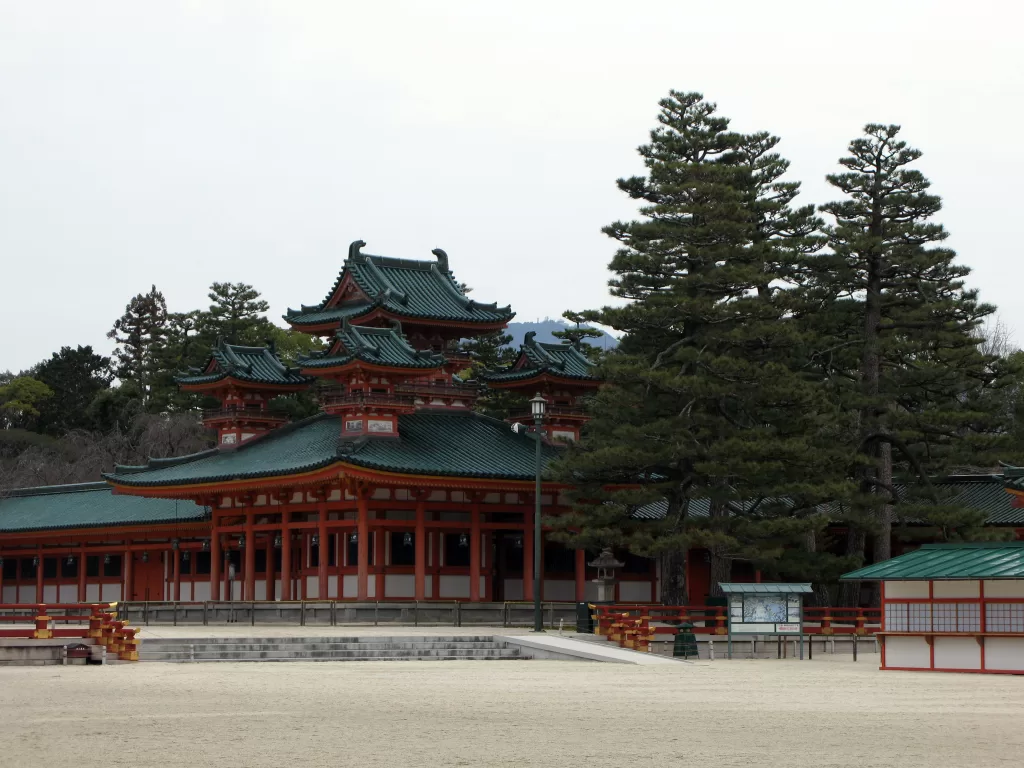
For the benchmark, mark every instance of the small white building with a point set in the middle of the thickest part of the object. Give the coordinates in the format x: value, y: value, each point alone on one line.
x: 952, y: 608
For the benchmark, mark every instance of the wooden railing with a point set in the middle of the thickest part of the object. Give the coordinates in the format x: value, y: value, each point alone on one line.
x: 96, y: 622
x: 635, y: 626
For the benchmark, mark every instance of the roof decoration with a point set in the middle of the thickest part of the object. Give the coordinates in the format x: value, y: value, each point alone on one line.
x: 537, y: 358
x: 438, y: 443
x: 255, y: 365
x: 88, y: 505
x: 963, y: 560
x: 384, y: 347
x: 405, y: 288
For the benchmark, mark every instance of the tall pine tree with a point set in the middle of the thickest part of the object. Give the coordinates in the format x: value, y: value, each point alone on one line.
x: 701, y: 406
x: 139, y: 334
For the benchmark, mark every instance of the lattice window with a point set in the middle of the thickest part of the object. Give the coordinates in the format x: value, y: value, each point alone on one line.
x: 1004, y: 617
x: 968, y: 617
x: 919, y: 617
x: 956, y: 617
x: 896, y: 617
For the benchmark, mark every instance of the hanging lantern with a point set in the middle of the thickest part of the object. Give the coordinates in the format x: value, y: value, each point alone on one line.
x: 106, y: 559
x: 185, y: 556
x: 518, y: 540
x: 277, y: 541
x: 241, y: 542
x: 1, y: 562
x: 206, y: 545
x: 70, y: 560
x: 174, y: 544
x: 35, y: 562
x: 407, y: 539
x: 354, y: 538
x: 463, y: 540
x: 314, y: 540
x: 145, y: 557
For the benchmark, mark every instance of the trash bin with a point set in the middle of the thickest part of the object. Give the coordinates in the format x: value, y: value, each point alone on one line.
x: 584, y: 618
x: 685, y: 645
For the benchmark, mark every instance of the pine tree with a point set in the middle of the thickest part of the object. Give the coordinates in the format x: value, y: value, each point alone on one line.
x: 236, y: 314
x: 578, y: 333
x: 900, y: 339
x: 139, y: 334
x: 699, y: 400
x: 75, y: 376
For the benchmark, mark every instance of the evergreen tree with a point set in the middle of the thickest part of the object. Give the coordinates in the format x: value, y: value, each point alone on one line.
x: 75, y: 376
x: 578, y: 333
x: 236, y: 314
x: 139, y: 334
x: 900, y: 340
x: 20, y: 398
x: 699, y: 400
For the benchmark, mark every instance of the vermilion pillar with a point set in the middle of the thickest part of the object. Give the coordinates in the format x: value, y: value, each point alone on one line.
x: 39, y: 578
x: 269, y: 585
x: 380, y: 538
x: 81, y: 575
x: 363, y: 548
x: 176, y: 554
x: 249, y: 593
x: 474, y: 552
x: 215, y: 557
x: 286, y: 557
x: 581, y: 575
x: 528, y: 560
x: 127, y: 574
x: 421, y: 551
x: 322, y: 551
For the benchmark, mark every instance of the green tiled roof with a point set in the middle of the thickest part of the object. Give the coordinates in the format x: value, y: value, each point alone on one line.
x: 536, y: 358
x: 977, y: 560
x: 405, y: 287
x: 377, y: 346
x: 441, y: 442
x: 258, y: 365
x: 88, y: 505
x: 761, y: 589
x: 983, y: 493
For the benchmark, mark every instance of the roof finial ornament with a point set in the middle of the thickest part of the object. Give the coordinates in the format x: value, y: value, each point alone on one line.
x: 396, y: 325
x: 442, y: 259
x: 353, y: 248
x: 528, y: 338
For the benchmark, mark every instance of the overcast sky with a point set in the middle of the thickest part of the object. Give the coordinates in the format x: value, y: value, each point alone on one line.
x: 180, y: 143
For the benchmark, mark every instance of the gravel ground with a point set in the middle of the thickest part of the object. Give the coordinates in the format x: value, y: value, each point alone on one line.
x: 825, y: 713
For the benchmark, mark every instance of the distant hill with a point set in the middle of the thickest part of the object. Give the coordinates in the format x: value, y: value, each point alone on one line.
x: 544, y: 329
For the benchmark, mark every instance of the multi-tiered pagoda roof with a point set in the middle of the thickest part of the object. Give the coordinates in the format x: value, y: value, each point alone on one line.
x: 246, y: 365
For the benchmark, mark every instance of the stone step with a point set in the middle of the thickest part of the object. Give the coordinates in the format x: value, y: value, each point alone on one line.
x: 492, y: 653
x: 235, y: 647
x: 352, y: 658
x: 318, y: 639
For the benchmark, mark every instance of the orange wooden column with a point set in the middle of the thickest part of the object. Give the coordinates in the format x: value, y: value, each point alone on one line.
x: 286, y: 556
x: 380, y: 538
x: 269, y: 576
x: 581, y: 575
x: 474, y: 551
x: 249, y: 591
x: 528, y: 558
x: 421, y: 549
x: 215, y: 557
x: 81, y: 575
x: 39, y: 578
x: 363, y: 547
x: 176, y: 554
x: 322, y: 551
x: 436, y: 567
x: 127, y: 573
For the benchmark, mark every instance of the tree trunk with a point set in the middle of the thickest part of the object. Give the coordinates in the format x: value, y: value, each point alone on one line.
x: 673, y: 579
x: 721, y: 571
x: 882, y: 549
x: 849, y: 591
x: 822, y: 595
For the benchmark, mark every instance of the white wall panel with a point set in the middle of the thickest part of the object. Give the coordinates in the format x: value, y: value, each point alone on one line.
x: 261, y: 589
x: 201, y: 591
x: 110, y: 593
x: 68, y: 593
x: 454, y: 586
x: 49, y: 593
x: 332, y: 586
x: 1005, y: 588
x: 350, y: 583
x: 1004, y: 653
x: 955, y: 589
x: 9, y: 594
x: 907, y: 589
x: 399, y: 585
x: 92, y: 593
x: 907, y: 652
x: 312, y: 587
x: 957, y: 653
x: 635, y: 591
x: 559, y: 590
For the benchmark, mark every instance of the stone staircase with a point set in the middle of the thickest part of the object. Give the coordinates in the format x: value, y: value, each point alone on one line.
x: 458, y: 648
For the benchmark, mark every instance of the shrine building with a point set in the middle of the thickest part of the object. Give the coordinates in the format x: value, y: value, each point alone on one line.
x: 397, y: 490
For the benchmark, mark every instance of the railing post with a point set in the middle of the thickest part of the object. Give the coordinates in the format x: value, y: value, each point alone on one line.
x: 720, y: 628
x: 860, y: 627
x: 826, y: 623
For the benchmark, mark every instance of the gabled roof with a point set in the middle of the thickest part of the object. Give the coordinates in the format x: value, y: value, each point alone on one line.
x: 406, y: 288
x: 88, y: 505
x: 766, y: 589
x: 974, y: 560
x: 435, y: 443
x: 256, y: 365
x: 536, y: 358
x: 385, y: 347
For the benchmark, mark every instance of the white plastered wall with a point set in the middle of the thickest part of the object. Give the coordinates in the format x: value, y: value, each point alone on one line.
x: 906, y: 589
x: 956, y: 653
x: 911, y: 652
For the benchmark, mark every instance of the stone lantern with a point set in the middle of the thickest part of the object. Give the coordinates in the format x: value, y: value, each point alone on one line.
x: 606, y: 565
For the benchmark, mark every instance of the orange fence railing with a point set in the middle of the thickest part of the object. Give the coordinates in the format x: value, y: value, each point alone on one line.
x: 95, y: 623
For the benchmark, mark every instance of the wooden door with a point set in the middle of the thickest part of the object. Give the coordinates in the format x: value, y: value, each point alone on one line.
x: 147, y: 578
